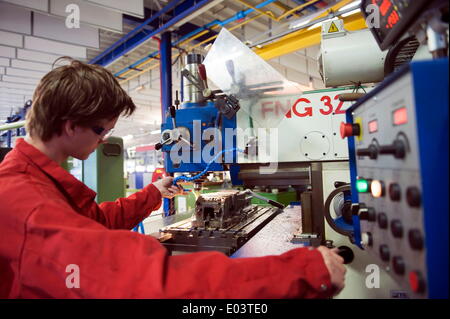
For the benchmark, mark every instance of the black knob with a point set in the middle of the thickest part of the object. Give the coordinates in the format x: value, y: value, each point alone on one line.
x: 398, y: 149
x: 413, y: 196
x: 399, y: 265
x: 172, y: 111
x: 346, y: 253
x: 385, y: 253
x: 158, y: 146
x: 356, y: 207
x: 382, y: 220
x: 397, y: 228
x: 339, y: 184
x: 347, y: 212
x: 415, y: 239
x: 371, y: 151
x: 395, y: 192
x: 368, y: 214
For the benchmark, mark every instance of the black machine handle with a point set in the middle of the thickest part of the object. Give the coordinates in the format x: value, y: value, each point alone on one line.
x: 158, y: 146
x: 344, y: 251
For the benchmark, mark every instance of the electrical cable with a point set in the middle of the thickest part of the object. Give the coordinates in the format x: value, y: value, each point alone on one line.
x: 190, y: 179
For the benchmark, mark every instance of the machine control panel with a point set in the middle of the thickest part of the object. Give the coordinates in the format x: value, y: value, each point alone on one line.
x: 397, y: 221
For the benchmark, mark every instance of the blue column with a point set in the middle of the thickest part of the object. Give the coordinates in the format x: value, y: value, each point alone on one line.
x: 166, y: 90
x: 166, y: 73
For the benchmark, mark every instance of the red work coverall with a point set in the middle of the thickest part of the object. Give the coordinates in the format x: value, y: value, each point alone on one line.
x: 49, y: 222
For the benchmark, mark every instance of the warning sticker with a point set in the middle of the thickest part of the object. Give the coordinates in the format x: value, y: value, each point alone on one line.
x: 333, y: 28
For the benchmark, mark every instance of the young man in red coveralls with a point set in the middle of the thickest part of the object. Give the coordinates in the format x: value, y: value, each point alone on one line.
x: 52, y: 229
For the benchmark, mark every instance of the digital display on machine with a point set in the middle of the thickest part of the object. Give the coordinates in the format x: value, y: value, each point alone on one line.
x: 400, y: 116
x: 373, y: 126
x: 395, y: 16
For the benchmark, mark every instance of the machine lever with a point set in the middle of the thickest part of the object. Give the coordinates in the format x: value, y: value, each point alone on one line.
x: 158, y: 146
x: 270, y: 201
x: 397, y: 149
x: 172, y: 115
x: 202, y: 73
x: 371, y: 151
x: 188, y: 75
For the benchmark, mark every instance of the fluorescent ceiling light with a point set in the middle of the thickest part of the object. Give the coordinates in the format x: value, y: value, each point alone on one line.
x: 299, y: 23
x: 350, y: 13
x: 354, y: 4
x: 318, y: 24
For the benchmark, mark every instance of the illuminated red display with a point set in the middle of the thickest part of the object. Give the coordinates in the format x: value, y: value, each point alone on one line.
x: 389, y: 13
x: 373, y: 126
x: 384, y: 7
x: 400, y: 116
x: 392, y: 19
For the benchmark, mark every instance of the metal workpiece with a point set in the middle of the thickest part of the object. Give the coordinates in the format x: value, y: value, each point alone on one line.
x: 220, y: 209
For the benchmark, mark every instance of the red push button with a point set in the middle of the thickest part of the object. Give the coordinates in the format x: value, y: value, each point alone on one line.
x: 348, y: 129
x: 416, y: 282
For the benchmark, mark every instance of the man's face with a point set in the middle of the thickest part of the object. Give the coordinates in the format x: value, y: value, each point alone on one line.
x: 87, y: 139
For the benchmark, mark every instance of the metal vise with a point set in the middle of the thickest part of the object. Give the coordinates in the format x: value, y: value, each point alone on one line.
x: 220, y: 209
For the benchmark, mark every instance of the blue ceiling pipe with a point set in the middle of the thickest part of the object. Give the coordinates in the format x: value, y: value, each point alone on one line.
x: 132, y: 37
x: 237, y: 16
x: 139, y: 35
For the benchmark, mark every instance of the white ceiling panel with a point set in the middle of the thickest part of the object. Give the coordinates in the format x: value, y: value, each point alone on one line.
x: 7, y: 52
x: 15, y: 98
x: 12, y: 100
x: 20, y: 72
x: 36, y: 56
x: 16, y: 91
x: 19, y: 79
x: 12, y: 39
x: 5, y: 105
x: 130, y: 7
x: 54, y: 28
x: 20, y: 86
x: 16, y: 19
x: 35, y: 66
x: 4, y: 62
x: 41, y: 5
x: 54, y: 47
x: 90, y: 14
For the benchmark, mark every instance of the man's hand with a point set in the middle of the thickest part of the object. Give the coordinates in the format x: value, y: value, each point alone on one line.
x: 335, y: 266
x: 166, y: 187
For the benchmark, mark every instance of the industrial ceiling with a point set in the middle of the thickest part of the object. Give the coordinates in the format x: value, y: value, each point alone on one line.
x: 33, y: 34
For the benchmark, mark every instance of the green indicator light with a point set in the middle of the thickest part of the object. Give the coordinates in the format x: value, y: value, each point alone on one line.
x: 362, y: 185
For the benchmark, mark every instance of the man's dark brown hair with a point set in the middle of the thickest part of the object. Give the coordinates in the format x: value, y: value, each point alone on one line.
x: 82, y: 93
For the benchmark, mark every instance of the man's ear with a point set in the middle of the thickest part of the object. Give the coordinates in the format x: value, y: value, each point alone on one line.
x: 69, y: 128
